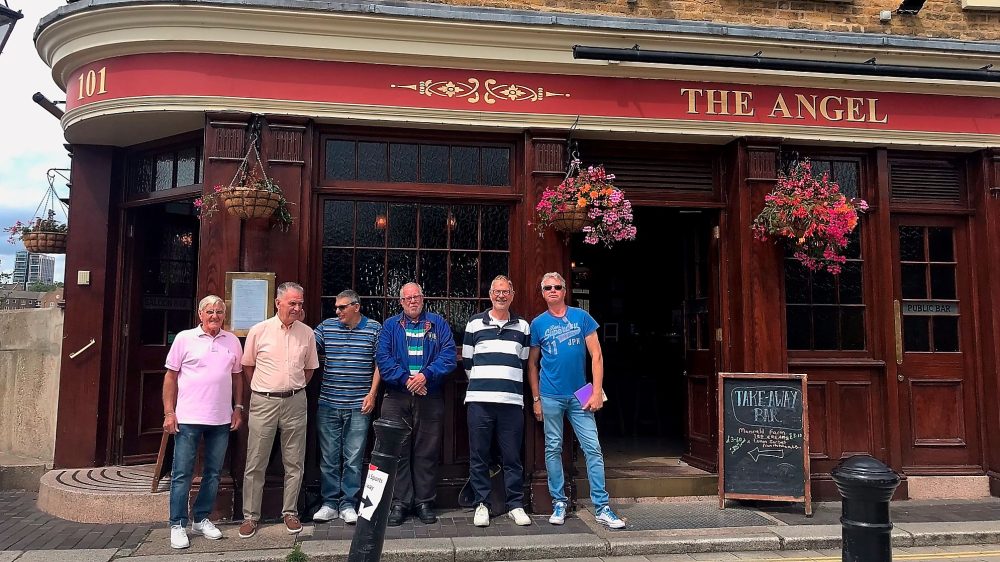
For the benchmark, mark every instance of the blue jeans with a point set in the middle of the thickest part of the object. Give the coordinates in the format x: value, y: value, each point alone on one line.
x: 585, y: 428
x: 185, y: 449
x: 342, y: 437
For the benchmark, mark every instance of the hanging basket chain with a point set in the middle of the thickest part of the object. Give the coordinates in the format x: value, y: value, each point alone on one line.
x: 51, y: 201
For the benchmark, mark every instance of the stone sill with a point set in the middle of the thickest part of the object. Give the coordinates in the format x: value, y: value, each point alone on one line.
x: 993, y: 5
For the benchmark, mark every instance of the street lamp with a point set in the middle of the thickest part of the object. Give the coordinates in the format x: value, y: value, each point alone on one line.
x: 8, y: 18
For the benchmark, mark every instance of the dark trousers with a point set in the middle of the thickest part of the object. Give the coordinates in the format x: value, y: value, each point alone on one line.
x: 416, y: 479
x: 506, y: 421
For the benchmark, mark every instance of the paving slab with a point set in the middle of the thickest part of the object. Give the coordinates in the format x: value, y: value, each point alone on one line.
x: 415, y: 550
x: 804, y: 537
x: 328, y: 551
x: 945, y: 533
x: 475, y: 549
x: 9, y: 555
x: 268, y: 536
x: 276, y: 555
x: 83, y: 555
x: 623, y: 543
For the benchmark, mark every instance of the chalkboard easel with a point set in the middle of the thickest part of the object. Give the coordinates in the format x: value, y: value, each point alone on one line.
x: 764, y: 438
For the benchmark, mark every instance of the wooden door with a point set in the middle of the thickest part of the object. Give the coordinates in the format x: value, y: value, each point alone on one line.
x: 700, y: 339
x: 935, y: 345
x: 161, y: 254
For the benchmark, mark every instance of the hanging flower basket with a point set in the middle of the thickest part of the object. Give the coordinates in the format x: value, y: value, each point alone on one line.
x: 250, y: 203
x: 571, y: 221
x: 587, y: 201
x: 42, y: 242
x: 810, y: 216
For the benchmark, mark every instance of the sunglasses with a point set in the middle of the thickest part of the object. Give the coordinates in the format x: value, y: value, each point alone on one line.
x: 552, y: 287
x: 341, y: 307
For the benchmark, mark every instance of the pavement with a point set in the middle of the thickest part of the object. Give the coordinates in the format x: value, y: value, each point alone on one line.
x: 679, y: 529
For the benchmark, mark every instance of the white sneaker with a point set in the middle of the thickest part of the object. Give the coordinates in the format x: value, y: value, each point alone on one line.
x: 519, y: 516
x: 605, y: 516
x: 482, y: 516
x: 178, y: 537
x: 207, y: 529
x: 325, y: 513
x: 349, y: 515
x: 558, y: 516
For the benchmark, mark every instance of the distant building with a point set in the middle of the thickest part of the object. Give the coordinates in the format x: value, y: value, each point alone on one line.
x: 34, y: 268
x: 16, y: 300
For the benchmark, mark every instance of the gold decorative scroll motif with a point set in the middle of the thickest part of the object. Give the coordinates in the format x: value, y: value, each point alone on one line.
x: 474, y: 91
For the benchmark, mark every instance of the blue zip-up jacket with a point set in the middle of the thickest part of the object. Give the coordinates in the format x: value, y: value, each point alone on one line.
x: 439, y: 352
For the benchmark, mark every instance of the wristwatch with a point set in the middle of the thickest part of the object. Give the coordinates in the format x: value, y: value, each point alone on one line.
x: 535, y: 399
x: 239, y: 407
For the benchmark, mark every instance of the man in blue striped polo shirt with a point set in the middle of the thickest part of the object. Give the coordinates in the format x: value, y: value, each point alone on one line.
x: 346, y: 346
x: 494, y: 354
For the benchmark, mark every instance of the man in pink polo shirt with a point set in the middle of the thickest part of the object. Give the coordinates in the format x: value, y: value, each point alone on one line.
x: 203, y: 368
x: 279, y: 360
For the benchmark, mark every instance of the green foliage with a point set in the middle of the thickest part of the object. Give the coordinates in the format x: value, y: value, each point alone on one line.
x: 296, y: 555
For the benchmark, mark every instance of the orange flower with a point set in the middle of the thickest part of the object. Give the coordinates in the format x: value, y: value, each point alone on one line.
x: 581, y: 202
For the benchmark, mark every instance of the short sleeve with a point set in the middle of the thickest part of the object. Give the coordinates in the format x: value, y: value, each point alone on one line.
x: 588, y: 324
x: 175, y: 357
x: 250, y: 349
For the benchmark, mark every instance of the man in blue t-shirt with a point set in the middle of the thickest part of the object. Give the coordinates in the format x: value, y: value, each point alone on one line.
x: 561, y: 338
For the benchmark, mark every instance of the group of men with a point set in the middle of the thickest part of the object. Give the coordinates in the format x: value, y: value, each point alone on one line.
x: 409, y: 357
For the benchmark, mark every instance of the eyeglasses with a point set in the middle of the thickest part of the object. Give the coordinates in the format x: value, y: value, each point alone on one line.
x: 214, y: 312
x: 552, y: 287
x: 411, y: 298
x: 501, y: 292
x: 341, y: 307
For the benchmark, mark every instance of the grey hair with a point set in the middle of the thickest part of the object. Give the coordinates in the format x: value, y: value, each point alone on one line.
x: 209, y: 301
x: 415, y: 284
x: 503, y: 278
x: 289, y: 286
x: 349, y: 294
x: 550, y: 275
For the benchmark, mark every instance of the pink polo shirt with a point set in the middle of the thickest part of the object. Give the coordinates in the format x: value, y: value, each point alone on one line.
x: 280, y: 355
x: 205, y: 365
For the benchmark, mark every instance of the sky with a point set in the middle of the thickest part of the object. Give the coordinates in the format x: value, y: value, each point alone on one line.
x: 31, y: 140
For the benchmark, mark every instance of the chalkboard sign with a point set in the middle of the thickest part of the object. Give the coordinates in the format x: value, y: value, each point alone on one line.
x: 764, y: 438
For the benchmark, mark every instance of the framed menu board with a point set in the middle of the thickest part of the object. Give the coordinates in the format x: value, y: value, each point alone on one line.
x: 249, y: 300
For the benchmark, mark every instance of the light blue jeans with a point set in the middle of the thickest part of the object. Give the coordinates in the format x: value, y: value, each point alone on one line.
x: 342, y: 437
x: 585, y: 427
x: 182, y: 469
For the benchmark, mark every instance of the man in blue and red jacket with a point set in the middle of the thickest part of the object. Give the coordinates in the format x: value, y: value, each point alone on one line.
x: 416, y: 350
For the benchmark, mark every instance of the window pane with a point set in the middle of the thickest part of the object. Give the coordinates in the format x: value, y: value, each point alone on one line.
x: 402, y: 269
x: 379, y: 309
x: 153, y: 330
x: 456, y: 312
x: 942, y: 281
x: 850, y: 283
x: 465, y: 165
x: 164, y: 171
x: 372, y: 161
x: 911, y: 243
x: 820, y: 167
x: 846, y: 174
x: 853, y: 248
x: 940, y: 244
x: 914, y: 283
x: 187, y: 168
x: 337, y: 271
x: 825, y: 325
x: 796, y: 282
x: 464, y: 273
x: 946, y: 333
x: 852, y: 328
x: 915, y: 333
x: 433, y: 226
x: 370, y: 272
x: 403, y: 226
x: 496, y: 221
x: 403, y: 162
x: 465, y: 234
x: 494, y: 263
x: 338, y: 223
x: 340, y: 160
x: 372, y: 223
x: 434, y: 273
x: 824, y: 288
x: 433, y: 163
x: 799, y: 327
x: 496, y: 166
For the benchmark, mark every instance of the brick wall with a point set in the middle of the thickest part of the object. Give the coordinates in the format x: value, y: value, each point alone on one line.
x: 938, y: 18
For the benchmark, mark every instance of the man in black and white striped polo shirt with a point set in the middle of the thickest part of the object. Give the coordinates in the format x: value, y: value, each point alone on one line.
x: 494, y: 354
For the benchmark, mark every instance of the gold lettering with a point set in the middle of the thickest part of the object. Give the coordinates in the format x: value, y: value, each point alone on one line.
x: 717, y: 99
x: 743, y: 100
x: 873, y: 112
x: 809, y: 106
x: 780, y: 105
x: 854, y: 110
x: 92, y: 83
x: 692, y: 98
x: 102, y: 73
x: 825, y: 111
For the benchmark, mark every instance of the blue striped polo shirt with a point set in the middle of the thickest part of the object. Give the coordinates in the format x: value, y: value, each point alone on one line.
x: 348, y: 360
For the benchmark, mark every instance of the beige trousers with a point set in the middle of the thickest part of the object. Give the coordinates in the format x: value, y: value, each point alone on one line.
x: 266, y: 417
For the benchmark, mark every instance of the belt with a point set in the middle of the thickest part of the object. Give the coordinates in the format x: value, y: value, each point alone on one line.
x: 282, y: 394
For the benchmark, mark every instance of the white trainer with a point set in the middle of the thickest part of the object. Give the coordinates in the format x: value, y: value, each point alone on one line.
x: 325, y: 513
x: 482, y: 516
x: 349, y: 515
x: 207, y: 529
x: 519, y: 516
x: 179, y: 537
x: 558, y: 516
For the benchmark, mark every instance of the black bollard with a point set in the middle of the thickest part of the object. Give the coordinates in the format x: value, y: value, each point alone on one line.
x: 866, y: 486
x: 376, y: 494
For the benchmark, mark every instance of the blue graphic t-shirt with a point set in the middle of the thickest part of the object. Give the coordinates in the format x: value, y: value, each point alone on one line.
x: 564, y: 353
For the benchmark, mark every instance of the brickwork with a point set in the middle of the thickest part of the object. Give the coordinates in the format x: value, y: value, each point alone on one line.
x: 938, y: 18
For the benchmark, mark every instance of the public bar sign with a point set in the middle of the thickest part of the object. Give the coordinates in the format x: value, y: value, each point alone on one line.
x: 929, y: 308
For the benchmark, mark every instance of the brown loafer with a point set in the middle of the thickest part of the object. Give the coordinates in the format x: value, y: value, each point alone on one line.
x: 292, y: 523
x: 248, y: 528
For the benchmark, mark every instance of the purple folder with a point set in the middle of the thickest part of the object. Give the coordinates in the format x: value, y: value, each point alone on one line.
x: 585, y: 392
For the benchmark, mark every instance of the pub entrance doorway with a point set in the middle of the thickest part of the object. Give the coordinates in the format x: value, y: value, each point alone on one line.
x: 658, y: 338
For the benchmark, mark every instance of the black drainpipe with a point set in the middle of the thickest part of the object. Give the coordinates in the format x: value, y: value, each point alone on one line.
x: 870, y: 68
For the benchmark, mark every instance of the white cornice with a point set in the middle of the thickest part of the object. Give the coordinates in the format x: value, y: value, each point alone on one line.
x: 103, y: 123
x: 89, y: 35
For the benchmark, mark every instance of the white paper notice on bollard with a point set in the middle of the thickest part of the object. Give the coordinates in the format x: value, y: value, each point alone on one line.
x: 372, y: 494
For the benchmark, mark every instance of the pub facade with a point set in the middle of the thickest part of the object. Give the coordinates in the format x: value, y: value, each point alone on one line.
x: 413, y: 142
